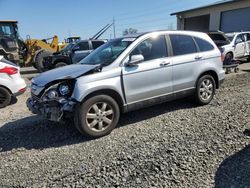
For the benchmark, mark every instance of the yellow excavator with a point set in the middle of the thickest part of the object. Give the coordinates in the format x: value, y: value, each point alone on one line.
x: 37, y: 49
x: 31, y: 51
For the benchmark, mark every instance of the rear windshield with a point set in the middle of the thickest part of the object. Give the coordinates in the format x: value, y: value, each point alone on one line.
x: 219, y: 39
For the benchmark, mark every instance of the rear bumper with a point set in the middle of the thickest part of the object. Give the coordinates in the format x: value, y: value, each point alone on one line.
x: 221, y: 77
x: 221, y: 82
x: 14, y: 83
x: 21, y: 91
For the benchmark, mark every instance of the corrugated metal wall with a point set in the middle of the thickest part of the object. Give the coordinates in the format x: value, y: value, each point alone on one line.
x: 198, y: 23
x: 235, y: 20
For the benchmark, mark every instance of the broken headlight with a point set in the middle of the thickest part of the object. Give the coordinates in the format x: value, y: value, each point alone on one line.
x: 52, y: 94
x: 64, y: 89
x: 58, y: 91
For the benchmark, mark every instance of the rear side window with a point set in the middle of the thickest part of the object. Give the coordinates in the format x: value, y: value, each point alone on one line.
x: 96, y: 44
x: 83, y: 46
x: 203, y: 45
x: 248, y: 36
x: 182, y: 44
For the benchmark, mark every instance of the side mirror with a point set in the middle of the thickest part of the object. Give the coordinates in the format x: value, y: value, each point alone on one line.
x: 135, y: 59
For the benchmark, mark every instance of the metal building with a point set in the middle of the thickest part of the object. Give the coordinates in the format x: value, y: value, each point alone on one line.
x: 226, y: 15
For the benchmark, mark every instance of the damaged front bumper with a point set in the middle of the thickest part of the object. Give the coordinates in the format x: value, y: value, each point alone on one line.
x: 53, y: 110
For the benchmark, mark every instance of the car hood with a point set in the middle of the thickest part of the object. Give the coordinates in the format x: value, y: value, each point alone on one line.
x: 67, y: 72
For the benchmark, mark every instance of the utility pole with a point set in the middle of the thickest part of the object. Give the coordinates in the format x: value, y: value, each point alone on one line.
x: 114, y: 26
x: 69, y: 32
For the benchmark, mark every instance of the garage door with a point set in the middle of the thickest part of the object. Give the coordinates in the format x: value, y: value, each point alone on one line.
x: 198, y: 23
x: 235, y: 20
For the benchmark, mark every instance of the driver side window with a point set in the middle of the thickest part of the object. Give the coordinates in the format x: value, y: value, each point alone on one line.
x: 239, y: 39
x: 152, y: 48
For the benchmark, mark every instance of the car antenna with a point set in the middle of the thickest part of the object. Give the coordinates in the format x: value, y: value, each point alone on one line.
x: 99, y: 33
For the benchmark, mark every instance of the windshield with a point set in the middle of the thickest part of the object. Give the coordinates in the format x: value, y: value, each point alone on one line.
x: 67, y: 47
x: 8, y: 29
x: 72, y: 39
x: 108, y: 52
x: 230, y: 37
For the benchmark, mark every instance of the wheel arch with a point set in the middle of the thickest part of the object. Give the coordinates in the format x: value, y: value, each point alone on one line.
x: 6, y: 89
x: 230, y: 52
x: 213, y: 74
x: 109, y: 92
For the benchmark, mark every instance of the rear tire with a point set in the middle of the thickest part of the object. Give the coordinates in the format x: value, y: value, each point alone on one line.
x: 39, y: 60
x: 5, y: 97
x: 97, y: 116
x: 248, y: 59
x: 205, y: 90
x: 228, y: 59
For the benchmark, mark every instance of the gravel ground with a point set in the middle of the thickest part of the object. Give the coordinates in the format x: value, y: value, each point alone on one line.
x: 175, y: 144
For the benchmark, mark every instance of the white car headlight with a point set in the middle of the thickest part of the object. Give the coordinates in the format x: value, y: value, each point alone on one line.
x: 64, y: 89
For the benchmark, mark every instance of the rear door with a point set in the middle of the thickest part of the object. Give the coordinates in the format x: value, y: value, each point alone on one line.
x: 247, y: 39
x: 185, y: 60
x: 152, y: 77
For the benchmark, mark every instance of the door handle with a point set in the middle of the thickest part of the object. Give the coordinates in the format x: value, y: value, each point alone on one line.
x: 164, y: 63
x: 198, y: 57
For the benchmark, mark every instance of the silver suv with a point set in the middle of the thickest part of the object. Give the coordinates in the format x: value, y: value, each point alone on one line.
x: 128, y: 73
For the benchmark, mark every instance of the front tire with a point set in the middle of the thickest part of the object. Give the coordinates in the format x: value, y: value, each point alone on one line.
x: 248, y: 58
x: 228, y: 59
x: 205, y: 90
x: 5, y: 97
x: 39, y: 60
x: 97, y: 116
x: 60, y: 64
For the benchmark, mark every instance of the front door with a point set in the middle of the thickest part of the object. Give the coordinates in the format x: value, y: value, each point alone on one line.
x: 240, y: 46
x: 82, y: 49
x: 152, y: 77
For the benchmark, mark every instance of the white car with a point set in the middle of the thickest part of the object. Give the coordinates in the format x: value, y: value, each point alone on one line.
x: 224, y: 44
x: 240, y: 41
x: 11, y: 82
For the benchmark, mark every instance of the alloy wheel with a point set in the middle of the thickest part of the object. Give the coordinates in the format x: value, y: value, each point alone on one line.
x: 206, y: 89
x: 99, y: 116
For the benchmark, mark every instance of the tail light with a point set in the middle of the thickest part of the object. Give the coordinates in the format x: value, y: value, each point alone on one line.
x: 9, y: 70
x: 222, y: 57
x: 22, y: 90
